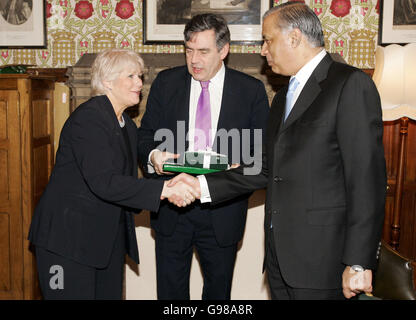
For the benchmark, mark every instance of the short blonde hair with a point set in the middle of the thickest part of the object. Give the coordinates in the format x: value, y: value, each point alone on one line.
x: 109, y: 64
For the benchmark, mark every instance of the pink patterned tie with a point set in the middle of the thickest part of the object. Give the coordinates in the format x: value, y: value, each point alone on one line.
x: 203, y: 119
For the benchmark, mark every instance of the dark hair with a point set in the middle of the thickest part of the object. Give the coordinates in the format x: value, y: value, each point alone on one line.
x: 209, y: 21
x: 298, y: 15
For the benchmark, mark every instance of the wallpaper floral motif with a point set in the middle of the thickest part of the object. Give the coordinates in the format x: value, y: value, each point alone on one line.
x: 76, y: 27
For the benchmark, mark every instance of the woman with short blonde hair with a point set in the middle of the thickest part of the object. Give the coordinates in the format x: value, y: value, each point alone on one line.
x: 108, y: 66
x: 84, y: 221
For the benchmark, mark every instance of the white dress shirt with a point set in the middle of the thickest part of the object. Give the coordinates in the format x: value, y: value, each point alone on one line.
x: 305, y: 72
x: 215, y: 89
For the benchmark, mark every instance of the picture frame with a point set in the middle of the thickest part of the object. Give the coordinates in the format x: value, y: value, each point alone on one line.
x: 23, y: 25
x: 397, y: 22
x: 164, y: 20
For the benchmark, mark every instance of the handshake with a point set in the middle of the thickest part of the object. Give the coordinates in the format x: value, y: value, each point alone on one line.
x: 182, y: 190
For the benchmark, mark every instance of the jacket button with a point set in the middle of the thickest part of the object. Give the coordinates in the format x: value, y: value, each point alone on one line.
x: 275, y: 212
x: 278, y: 179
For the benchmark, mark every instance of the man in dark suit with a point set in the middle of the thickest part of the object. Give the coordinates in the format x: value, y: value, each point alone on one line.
x: 237, y: 102
x: 323, y: 166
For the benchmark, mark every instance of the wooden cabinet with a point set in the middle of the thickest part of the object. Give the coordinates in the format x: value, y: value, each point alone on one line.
x: 400, y: 152
x: 26, y: 160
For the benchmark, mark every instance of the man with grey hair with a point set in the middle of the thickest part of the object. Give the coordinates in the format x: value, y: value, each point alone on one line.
x: 323, y: 166
x: 206, y: 98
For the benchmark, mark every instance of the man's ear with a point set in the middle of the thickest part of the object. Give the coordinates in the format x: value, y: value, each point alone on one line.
x: 295, y: 37
x: 224, y: 51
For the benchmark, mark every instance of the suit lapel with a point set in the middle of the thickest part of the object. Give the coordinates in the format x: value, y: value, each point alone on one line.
x: 226, y: 101
x: 182, y: 107
x: 115, y: 126
x: 132, y: 133
x: 307, y: 96
x: 277, y: 113
x: 116, y: 129
x: 228, y: 108
x: 309, y: 92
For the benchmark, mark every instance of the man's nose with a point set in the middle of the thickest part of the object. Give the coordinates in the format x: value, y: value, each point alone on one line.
x: 195, y: 57
x: 264, y: 49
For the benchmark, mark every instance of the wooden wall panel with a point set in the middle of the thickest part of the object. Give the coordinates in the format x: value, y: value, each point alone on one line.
x: 43, y: 149
x: 11, y: 268
x: 4, y: 175
x: 41, y: 176
x: 408, y: 225
x: 410, y: 173
x: 391, y: 138
x: 40, y: 120
x: 3, y: 120
x: 5, y: 272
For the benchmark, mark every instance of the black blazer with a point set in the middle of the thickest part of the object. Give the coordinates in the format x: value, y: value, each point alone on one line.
x: 244, y: 105
x: 79, y: 212
x: 325, y: 174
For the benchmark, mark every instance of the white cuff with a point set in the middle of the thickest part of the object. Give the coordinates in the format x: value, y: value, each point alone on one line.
x: 150, y: 167
x: 205, y: 195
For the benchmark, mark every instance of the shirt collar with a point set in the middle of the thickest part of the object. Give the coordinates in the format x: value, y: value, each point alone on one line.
x: 217, y: 80
x: 305, y: 72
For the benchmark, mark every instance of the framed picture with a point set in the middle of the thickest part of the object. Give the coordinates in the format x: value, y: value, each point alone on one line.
x: 22, y: 24
x: 164, y: 20
x: 397, y: 21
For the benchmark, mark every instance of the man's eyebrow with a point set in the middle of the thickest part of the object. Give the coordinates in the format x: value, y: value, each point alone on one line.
x: 197, y: 49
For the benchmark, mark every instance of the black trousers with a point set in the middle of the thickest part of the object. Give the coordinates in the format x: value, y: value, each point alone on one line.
x: 280, y: 290
x: 63, y: 279
x: 174, y: 257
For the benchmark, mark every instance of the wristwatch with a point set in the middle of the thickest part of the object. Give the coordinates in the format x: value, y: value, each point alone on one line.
x: 357, y: 268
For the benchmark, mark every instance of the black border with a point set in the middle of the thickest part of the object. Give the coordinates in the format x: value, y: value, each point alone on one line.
x: 45, y: 36
x: 380, y: 25
x: 174, y: 42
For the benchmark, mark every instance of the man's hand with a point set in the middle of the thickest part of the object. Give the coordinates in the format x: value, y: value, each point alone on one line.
x: 234, y: 166
x: 355, y: 282
x: 180, y: 193
x: 158, y: 159
x: 189, y: 180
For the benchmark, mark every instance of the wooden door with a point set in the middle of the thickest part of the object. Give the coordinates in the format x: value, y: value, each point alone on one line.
x: 11, y: 253
x: 37, y: 163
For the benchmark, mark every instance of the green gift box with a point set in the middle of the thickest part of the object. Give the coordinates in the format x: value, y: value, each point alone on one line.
x: 206, y: 160
x: 199, y: 162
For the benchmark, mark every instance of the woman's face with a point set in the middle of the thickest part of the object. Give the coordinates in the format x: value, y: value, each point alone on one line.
x: 125, y: 90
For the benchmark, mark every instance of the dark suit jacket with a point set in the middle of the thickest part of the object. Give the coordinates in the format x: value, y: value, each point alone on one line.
x: 244, y: 105
x: 325, y: 174
x: 79, y: 212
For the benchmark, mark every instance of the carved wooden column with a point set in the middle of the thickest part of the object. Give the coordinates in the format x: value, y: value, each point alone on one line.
x: 395, y: 227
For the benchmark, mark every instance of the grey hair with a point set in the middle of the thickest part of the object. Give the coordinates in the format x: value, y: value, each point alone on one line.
x: 297, y: 15
x: 209, y: 21
x: 109, y: 64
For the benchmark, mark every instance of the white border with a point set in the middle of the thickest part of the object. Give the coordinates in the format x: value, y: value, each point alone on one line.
x: 29, y: 34
x: 390, y: 35
x: 174, y: 32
